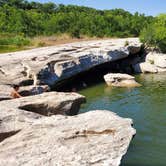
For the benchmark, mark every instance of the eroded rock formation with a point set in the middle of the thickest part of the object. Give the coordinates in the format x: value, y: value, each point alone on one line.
x: 50, y: 65
x: 18, y: 113
x: 31, y: 134
x: 93, y: 138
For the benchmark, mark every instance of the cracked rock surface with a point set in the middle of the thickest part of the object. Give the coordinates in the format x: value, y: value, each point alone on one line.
x: 48, y: 65
x: 94, y: 138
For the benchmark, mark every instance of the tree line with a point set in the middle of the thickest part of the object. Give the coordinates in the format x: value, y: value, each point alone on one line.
x: 155, y: 33
x: 20, y: 19
x: 34, y: 18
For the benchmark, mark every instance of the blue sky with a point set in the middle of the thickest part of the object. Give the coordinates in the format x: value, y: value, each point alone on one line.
x: 149, y: 7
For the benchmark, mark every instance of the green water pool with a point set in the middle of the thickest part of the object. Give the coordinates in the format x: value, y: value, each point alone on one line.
x: 146, y: 105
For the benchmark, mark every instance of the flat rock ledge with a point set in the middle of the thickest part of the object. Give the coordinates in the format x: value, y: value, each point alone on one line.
x: 96, y: 138
x: 120, y: 80
x: 18, y: 113
x: 49, y: 65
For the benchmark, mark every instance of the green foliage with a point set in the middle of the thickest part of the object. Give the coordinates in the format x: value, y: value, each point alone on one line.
x: 34, y: 19
x: 155, y: 33
x: 19, y: 40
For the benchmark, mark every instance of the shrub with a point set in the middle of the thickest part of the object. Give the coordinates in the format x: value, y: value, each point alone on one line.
x: 20, y: 41
x: 155, y: 34
x: 14, y: 40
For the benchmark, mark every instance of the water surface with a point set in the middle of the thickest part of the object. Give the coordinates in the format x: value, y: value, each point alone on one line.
x: 146, y: 105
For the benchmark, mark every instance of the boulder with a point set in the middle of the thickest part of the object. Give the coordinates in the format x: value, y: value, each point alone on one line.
x: 93, y: 138
x: 157, y: 59
x: 120, y: 80
x: 18, y: 113
x: 145, y: 67
x: 160, y: 61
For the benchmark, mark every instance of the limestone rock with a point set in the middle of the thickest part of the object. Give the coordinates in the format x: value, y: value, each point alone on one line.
x: 160, y: 70
x: 157, y: 59
x: 33, y: 90
x: 49, y: 65
x: 145, y: 67
x: 134, y: 48
x: 5, y: 92
x: 150, y: 57
x: 17, y: 113
x: 94, y: 138
x: 120, y: 80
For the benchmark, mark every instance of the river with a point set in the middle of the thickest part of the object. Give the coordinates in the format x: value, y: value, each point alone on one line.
x: 146, y: 105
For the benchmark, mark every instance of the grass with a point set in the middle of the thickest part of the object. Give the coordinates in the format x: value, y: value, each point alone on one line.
x: 11, y: 43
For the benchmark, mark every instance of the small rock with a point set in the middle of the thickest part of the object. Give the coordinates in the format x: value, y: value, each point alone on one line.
x: 120, y: 80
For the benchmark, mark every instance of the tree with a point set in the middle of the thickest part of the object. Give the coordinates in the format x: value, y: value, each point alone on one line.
x: 155, y: 33
x: 33, y: 18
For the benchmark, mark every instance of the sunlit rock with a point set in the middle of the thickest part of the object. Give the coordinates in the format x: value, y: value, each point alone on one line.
x: 120, y: 80
x: 93, y: 138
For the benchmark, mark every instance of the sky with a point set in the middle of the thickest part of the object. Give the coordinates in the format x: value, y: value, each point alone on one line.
x: 148, y: 7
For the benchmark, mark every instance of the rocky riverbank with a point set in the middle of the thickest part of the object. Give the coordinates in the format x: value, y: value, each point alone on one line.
x: 36, y: 130
x: 29, y: 136
x: 51, y: 65
x: 93, y: 138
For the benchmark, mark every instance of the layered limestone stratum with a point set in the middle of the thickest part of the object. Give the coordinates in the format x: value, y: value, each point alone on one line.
x: 45, y: 129
x: 50, y: 65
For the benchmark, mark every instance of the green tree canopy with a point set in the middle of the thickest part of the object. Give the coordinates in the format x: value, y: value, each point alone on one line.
x: 34, y: 18
x: 155, y: 33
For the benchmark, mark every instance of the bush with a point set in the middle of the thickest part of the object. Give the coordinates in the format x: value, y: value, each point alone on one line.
x: 18, y: 40
x: 155, y: 34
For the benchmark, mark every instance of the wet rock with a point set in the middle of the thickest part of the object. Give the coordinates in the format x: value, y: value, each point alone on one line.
x: 120, y: 80
x: 93, y: 138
